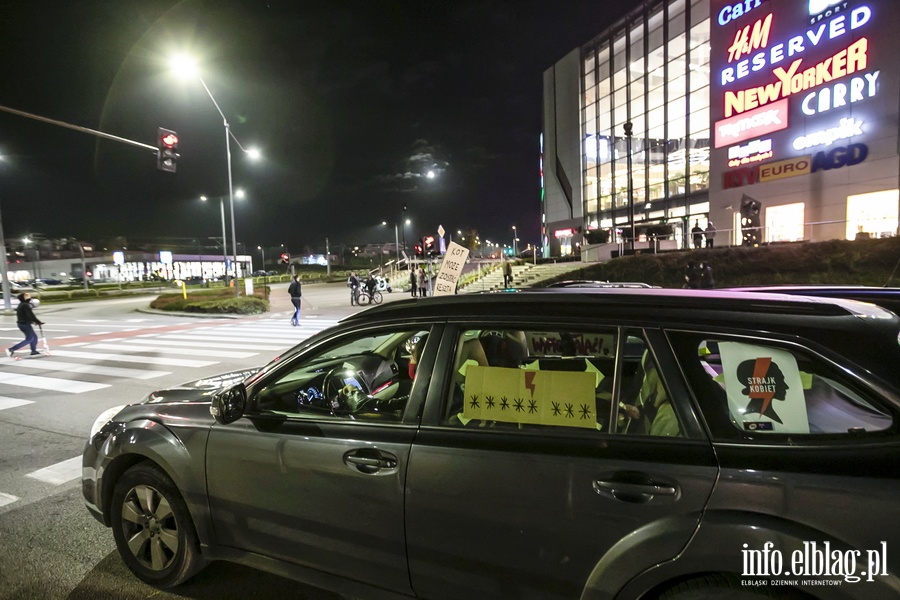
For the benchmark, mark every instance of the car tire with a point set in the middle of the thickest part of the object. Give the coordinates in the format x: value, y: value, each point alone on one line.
x: 153, y: 529
x: 720, y: 586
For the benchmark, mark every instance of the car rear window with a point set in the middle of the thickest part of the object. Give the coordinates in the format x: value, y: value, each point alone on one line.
x: 767, y: 388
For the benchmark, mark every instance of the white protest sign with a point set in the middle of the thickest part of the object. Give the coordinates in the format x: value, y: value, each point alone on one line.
x: 451, y: 268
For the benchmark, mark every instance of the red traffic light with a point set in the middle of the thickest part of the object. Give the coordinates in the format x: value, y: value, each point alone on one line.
x: 285, y: 258
x: 169, y: 140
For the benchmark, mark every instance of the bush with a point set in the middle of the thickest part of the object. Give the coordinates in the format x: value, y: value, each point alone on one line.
x: 850, y: 262
x: 214, y: 301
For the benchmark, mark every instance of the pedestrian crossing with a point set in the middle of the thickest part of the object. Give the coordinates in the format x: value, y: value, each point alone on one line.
x: 79, y: 366
x: 76, y: 367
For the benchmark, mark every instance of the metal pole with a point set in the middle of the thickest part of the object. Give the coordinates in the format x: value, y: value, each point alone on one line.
x: 628, y: 130
x: 234, y: 262
x: 83, y: 265
x: 7, y: 303
x: 397, y: 244
x: 327, y: 259
x: 224, y: 242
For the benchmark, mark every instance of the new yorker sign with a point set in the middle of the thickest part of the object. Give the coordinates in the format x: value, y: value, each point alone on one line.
x: 795, y: 85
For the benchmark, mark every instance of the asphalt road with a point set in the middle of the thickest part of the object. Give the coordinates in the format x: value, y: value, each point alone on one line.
x: 103, y: 354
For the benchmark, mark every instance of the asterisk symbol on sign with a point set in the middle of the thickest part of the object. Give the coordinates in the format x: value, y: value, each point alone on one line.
x: 555, y: 409
x: 585, y: 411
x: 504, y: 403
x: 489, y: 401
x: 474, y: 402
x: 519, y: 407
x: 532, y: 406
x: 569, y: 411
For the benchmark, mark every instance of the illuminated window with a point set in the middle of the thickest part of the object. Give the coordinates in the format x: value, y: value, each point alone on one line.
x: 874, y: 213
x: 785, y: 223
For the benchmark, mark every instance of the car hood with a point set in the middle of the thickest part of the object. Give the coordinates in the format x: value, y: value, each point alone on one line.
x: 200, y: 390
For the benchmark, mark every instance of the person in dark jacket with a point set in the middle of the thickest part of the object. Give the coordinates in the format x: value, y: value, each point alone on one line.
x: 692, y: 276
x: 295, y: 292
x: 25, y: 319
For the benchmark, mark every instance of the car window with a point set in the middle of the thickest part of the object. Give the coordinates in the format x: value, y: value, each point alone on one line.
x: 560, y: 380
x: 360, y: 377
x: 765, y: 388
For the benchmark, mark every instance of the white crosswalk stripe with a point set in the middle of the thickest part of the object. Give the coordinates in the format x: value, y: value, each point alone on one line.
x: 68, y: 386
x: 150, y: 360
x: 7, y: 402
x: 179, y: 341
x: 126, y: 347
x: 47, y: 364
x: 7, y: 499
x: 61, y: 472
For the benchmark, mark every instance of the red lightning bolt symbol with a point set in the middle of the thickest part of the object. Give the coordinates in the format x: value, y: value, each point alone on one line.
x: 529, y: 381
x: 759, y: 373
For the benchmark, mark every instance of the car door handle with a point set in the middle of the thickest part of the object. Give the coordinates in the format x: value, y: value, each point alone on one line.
x: 634, y: 492
x: 370, y: 461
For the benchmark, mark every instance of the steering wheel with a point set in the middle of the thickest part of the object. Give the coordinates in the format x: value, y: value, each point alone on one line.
x: 341, y: 395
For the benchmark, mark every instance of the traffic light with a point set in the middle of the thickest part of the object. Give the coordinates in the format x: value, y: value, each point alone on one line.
x: 285, y: 258
x: 167, y: 149
x: 419, y: 248
x: 428, y: 246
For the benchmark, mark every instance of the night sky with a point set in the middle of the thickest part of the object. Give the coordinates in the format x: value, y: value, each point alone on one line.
x: 350, y: 103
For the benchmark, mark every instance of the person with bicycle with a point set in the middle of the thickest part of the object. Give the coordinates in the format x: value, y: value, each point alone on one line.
x: 353, y: 283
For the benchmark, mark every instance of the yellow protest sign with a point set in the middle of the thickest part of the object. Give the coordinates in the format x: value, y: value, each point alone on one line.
x: 557, y: 398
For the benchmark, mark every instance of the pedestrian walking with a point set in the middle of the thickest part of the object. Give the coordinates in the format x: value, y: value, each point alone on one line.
x: 697, y: 232
x: 423, y: 282
x: 710, y: 234
x: 507, y: 273
x: 25, y: 320
x: 295, y: 292
x: 692, y: 276
x: 413, y: 282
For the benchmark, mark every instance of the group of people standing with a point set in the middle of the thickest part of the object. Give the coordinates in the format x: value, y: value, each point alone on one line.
x: 698, y: 233
x: 418, y: 282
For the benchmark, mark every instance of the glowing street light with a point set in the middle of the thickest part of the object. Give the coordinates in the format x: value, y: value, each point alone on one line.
x: 187, y: 68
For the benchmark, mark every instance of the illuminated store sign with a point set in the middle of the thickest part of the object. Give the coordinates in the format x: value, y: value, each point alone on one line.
x: 564, y: 233
x: 840, y: 94
x: 756, y: 37
x: 736, y: 10
x: 755, y: 123
x: 800, y: 165
x: 847, y: 128
x: 792, y: 81
x: 755, y: 151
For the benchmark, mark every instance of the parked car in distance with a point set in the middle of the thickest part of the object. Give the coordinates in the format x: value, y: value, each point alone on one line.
x: 540, y: 443
x: 193, y: 280
x: 45, y: 281
x: 258, y: 273
x: 887, y: 297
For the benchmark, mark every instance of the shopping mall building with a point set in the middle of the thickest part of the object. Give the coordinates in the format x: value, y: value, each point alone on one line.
x: 776, y: 120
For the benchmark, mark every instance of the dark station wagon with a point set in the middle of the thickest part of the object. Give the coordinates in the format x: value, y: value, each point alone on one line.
x: 557, y: 443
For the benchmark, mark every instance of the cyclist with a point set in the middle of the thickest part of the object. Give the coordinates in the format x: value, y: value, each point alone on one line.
x: 353, y: 283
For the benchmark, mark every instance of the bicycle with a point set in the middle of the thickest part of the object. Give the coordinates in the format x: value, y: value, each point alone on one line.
x: 365, y: 298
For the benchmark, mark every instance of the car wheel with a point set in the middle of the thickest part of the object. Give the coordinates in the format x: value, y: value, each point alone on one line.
x: 720, y: 586
x: 153, y: 529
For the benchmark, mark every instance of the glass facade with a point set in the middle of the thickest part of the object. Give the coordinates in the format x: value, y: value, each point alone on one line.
x: 651, y: 71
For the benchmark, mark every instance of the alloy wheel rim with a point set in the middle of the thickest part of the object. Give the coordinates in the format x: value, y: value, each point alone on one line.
x: 150, y: 527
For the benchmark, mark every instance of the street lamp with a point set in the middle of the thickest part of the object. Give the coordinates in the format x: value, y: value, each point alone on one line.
x: 396, y: 242
x: 224, y: 239
x: 515, y: 239
x: 186, y: 66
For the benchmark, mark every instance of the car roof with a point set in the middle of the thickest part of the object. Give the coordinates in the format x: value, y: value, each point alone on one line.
x: 587, y: 283
x: 883, y: 296
x: 519, y: 301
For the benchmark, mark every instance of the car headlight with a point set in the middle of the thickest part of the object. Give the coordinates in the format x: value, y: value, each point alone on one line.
x: 104, y: 418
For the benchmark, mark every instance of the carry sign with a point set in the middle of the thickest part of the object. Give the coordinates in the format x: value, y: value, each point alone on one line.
x: 451, y: 268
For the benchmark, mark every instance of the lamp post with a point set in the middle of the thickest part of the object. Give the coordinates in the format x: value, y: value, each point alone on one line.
x: 224, y: 239
x: 515, y: 239
x: 186, y: 66
x: 628, y: 130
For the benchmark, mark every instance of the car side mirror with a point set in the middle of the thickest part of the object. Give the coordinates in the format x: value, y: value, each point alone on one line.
x: 228, y: 405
